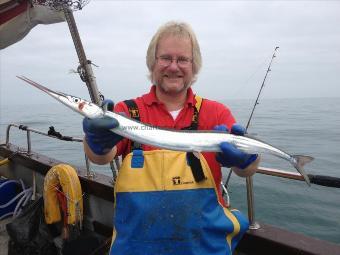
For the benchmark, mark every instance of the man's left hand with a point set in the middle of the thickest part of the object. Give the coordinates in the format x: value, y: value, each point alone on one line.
x: 230, y: 156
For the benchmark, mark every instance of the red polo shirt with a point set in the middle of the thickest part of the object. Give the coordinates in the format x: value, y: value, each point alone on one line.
x: 153, y: 112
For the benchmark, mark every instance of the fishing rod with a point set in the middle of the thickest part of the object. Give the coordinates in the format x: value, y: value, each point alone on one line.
x: 249, y: 180
x: 321, y: 180
x: 262, y: 86
x: 225, y: 185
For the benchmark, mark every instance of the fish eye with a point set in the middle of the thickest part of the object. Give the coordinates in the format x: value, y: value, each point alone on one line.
x: 76, y: 100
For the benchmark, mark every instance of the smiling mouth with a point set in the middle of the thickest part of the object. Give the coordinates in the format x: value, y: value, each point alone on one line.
x: 173, y: 77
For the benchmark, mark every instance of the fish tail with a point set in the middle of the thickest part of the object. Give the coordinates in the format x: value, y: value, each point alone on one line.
x: 299, y: 162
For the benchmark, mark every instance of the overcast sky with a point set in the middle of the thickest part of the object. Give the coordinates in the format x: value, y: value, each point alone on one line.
x: 237, y: 40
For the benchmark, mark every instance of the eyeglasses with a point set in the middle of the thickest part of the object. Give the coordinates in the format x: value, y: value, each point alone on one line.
x: 167, y: 60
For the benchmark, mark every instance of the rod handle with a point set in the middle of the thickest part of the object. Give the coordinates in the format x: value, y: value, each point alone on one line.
x: 323, y: 180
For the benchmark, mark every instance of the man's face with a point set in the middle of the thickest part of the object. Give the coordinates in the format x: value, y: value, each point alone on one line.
x: 173, y: 78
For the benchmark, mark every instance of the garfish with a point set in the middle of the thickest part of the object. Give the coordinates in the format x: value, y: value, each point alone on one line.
x: 179, y: 140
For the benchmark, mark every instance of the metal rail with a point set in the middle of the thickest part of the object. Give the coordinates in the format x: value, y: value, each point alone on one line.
x: 29, y: 130
x: 89, y: 173
x: 280, y: 173
x: 29, y: 146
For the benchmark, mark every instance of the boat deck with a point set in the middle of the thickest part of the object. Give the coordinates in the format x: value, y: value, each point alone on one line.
x: 98, y: 208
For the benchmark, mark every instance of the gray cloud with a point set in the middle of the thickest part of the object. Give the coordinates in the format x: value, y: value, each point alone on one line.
x: 237, y: 40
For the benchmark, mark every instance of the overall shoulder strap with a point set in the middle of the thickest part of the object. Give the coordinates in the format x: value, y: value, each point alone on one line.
x: 193, y: 161
x: 197, y: 108
x: 199, y: 101
x: 134, y: 113
x: 133, y: 109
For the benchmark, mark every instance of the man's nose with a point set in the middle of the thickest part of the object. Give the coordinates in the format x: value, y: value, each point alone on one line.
x: 173, y: 65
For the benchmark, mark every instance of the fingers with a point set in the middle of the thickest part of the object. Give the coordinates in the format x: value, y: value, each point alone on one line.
x: 108, y: 105
x: 232, y: 156
x: 237, y: 129
x: 100, y: 138
x: 221, y: 128
x: 231, y: 153
x: 99, y: 124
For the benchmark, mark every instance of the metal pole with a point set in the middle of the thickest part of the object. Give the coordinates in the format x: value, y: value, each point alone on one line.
x: 89, y: 173
x: 28, y: 134
x: 7, y: 135
x: 114, y: 171
x: 85, y: 68
x: 250, y: 202
x: 29, y: 149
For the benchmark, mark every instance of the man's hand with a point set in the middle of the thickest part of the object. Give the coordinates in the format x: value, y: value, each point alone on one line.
x: 230, y: 155
x: 97, y: 132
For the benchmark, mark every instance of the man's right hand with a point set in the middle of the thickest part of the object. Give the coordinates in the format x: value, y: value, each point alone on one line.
x: 98, y: 135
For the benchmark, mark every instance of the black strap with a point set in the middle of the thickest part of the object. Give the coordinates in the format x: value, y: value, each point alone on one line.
x: 193, y: 161
x: 134, y: 113
x: 196, y: 167
x: 133, y: 109
x: 194, y: 121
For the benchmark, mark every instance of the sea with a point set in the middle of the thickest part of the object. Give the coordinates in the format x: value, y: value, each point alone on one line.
x: 308, y: 126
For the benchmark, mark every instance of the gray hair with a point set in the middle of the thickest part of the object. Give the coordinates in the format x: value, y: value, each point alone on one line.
x: 180, y: 29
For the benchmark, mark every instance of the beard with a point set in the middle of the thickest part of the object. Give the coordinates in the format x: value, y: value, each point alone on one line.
x: 167, y: 88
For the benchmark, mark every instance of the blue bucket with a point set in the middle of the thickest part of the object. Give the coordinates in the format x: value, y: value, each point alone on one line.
x: 8, y: 190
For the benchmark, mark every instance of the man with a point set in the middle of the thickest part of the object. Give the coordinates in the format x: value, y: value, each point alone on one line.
x: 169, y: 202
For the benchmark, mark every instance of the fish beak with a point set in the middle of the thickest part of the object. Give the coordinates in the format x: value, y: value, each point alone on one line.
x: 57, y: 95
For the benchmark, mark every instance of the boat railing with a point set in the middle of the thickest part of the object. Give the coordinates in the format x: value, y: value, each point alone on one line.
x: 89, y: 173
x: 31, y: 130
x: 322, y: 180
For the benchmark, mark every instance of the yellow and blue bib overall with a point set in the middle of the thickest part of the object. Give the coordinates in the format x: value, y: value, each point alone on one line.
x: 160, y: 209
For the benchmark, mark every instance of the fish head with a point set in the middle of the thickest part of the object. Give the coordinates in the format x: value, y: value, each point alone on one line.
x: 84, y: 107
x: 77, y: 104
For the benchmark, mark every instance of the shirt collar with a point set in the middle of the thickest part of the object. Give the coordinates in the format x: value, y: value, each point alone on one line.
x: 151, y: 98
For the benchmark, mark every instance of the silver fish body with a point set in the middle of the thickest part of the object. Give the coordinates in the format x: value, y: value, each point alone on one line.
x: 179, y: 140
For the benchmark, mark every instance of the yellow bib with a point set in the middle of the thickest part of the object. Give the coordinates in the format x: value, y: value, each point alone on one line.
x: 160, y: 209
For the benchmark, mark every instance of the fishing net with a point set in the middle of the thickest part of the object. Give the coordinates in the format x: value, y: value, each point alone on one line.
x: 58, y: 5
x: 29, y: 234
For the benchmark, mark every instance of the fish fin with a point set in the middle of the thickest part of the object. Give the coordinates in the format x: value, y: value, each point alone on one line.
x: 300, y: 161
